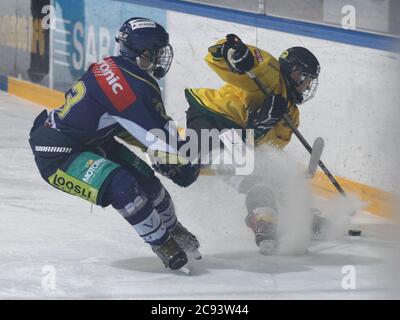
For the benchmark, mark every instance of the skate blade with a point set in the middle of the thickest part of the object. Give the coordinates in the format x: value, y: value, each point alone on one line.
x: 318, y: 237
x: 195, y: 255
x: 185, y: 270
x: 268, y: 247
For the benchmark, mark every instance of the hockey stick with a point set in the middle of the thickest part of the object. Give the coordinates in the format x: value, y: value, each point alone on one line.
x: 304, y: 142
x: 317, y: 148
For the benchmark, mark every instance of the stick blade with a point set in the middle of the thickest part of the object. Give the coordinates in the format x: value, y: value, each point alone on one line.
x: 316, y: 153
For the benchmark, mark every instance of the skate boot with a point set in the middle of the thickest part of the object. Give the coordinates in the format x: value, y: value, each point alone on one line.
x: 263, y: 223
x: 186, y: 240
x: 171, y: 254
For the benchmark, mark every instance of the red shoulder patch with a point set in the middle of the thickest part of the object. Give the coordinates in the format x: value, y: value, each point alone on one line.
x: 113, y: 83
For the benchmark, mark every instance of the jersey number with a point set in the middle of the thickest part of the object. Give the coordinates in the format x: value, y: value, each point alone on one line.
x: 75, y: 94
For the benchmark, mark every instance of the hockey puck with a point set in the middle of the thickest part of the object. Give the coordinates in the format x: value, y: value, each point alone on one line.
x: 355, y: 233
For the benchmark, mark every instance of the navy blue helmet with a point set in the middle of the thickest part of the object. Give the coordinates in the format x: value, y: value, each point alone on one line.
x: 146, y: 43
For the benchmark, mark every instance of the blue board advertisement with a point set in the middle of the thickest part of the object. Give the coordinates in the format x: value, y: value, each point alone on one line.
x: 85, y: 32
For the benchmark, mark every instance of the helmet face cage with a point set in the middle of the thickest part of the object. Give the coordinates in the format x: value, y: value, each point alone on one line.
x: 158, y: 61
x: 311, y: 89
x: 311, y: 81
x: 163, y: 60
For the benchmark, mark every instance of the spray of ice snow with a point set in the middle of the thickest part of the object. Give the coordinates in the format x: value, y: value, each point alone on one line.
x: 338, y: 212
x: 292, y: 194
x: 294, y: 199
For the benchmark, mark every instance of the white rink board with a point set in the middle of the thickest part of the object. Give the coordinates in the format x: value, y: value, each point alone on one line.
x: 355, y: 110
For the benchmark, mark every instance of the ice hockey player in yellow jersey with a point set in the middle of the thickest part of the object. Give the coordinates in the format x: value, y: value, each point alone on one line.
x: 240, y: 104
x: 292, y: 81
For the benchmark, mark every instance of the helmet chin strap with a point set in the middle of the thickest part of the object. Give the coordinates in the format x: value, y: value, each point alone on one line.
x: 293, y: 94
x: 158, y: 72
x: 151, y: 68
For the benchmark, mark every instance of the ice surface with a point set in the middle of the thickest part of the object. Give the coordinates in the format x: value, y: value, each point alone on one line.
x: 98, y: 255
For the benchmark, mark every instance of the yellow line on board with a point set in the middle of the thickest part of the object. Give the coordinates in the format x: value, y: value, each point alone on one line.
x: 46, y: 97
x: 378, y: 202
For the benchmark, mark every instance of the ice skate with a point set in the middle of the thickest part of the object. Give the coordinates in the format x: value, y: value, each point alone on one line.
x: 264, y: 225
x: 171, y: 254
x: 186, y: 240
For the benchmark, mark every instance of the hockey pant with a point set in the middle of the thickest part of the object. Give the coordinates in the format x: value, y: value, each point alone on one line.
x: 113, y: 175
x: 200, y: 119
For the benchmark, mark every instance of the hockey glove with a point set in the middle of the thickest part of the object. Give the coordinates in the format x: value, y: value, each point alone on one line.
x: 182, y: 175
x: 265, y: 118
x: 237, y: 55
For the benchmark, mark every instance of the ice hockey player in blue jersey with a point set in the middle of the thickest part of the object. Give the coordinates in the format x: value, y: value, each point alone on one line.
x: 76, y: 151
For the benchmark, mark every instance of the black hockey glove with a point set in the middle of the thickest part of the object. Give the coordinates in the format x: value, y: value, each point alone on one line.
x: 265, y: 118
x: 182, y: 175
x: 237, y: 55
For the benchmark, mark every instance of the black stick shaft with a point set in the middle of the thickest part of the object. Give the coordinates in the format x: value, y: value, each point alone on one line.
x: 298, y: 135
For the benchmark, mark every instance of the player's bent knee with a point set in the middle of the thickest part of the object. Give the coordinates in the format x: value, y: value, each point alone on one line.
x: 127, y: 197
x: 260, y: 196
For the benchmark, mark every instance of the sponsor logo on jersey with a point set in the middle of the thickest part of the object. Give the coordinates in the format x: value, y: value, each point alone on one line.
x: 63, y: 183
x: 113, y: 84
x: 93, y: 167
x: 89, y: 163
x: 53, y: 149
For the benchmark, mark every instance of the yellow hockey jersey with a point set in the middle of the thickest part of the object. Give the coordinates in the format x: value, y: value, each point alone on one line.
x: 240, y: 94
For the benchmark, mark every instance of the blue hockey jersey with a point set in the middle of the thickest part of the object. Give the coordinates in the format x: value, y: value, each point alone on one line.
x: 114, y: 98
